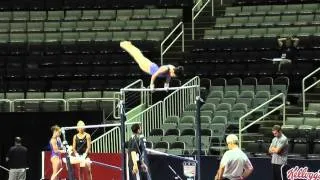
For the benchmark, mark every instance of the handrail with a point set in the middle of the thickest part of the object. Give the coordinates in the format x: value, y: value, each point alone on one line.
x: 309, y: 87
x: 45, y: 99
x: 283, y: 105
x: 168, y: 36
x: 197, y: 14
x: 186, y: 96
x: 146, y: 123
x: 116, y: 114
x: 81, y: 99
x: 101, y: 136
x: 133, y: 83
x: 108, y: 142
x: 8, y: 101
x: 144, y: 95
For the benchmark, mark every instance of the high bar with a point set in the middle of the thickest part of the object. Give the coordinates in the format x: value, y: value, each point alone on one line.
x: 158, y: 89
x: 97, y: 126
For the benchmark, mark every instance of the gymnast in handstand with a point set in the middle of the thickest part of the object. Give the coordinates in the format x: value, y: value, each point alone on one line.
x: 149, y: 67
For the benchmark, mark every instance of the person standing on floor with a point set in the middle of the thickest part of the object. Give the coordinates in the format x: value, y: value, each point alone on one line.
x: 235, y: 164
x: 17, y: 160
x: 279, y: 151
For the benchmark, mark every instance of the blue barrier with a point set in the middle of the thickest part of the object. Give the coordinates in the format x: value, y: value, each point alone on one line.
x: 159, y: 166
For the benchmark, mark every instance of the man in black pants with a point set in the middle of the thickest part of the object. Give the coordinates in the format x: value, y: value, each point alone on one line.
x: 137, y: 155
x: 17, y: 159
x: 279, y: 151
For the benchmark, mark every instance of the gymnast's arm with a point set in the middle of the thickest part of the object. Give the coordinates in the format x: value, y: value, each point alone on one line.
x: 295, y: 42
x: 134, y: 158
x: 55, y: 147
x: 74, y: 146
x: 8, y: 155
x: 167, y: 83
x: 280, y: 41
x: 161, y: 70
x: 88, y: 137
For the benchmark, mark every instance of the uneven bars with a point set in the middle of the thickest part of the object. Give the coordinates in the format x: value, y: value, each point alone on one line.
x: 56, y: 174
x: 158, y: 89
x: 105, y: 165
x: 78, y: 160
x: 4, y: 168
x: 96, y: 126
x: 169, y: 155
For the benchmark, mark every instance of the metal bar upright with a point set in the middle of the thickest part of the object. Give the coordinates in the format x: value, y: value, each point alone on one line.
x: 65, y: 144
x: 123, y: 140
x: 198, y: 136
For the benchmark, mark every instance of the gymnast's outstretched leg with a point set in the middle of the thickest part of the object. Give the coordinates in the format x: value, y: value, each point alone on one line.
x: 143, y: 62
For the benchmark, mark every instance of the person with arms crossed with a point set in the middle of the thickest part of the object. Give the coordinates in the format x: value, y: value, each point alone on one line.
x: 17, y: 160
x: 279, y: 151
x: 81, y: 147
x: 234, y: 165
x: 137, y: 155
x: 149, y: 67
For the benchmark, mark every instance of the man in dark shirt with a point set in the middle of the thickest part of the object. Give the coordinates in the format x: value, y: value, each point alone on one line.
x: 288, y: 47
x: 17, y: 160
x: 137, y: 155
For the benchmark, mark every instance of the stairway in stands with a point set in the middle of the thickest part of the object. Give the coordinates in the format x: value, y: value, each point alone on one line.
x: 204, y: 21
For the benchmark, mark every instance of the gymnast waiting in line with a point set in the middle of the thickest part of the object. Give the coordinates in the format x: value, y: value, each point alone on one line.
x: 149, y: 67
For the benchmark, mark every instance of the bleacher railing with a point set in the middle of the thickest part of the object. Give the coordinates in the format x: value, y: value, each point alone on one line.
x: 114, y: 102
x: 305, y: 89
x: 150, y: 119
x: 144, y: 96
x: 181, y: 34
x: 153, y: 116
x: 175, y: 103
x: 9, y: 104
x: 65, y: 102
x: 242, y: 118
x: 14, y: 101
x: 195, y: 14
x: 107, y: 143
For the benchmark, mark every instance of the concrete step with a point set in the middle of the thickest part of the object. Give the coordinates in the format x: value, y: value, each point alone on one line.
x: 310, y: 98
x: 293, y: 110
x: 270, y: 123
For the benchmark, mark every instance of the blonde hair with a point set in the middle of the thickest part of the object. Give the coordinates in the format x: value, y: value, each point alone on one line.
x: 80, y: 123
x: 232, y: 139
x: 55, y: 128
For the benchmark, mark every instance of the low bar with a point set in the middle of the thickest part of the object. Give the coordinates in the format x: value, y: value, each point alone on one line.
x: 96, y: 126
x: 169, y: 155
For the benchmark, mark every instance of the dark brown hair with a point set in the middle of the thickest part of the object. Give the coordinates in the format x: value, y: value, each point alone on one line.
x: 179, y: 71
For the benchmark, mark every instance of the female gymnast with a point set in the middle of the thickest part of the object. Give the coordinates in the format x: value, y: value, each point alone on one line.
x: 167, y: 71
x: 56, y: 150
x: 81, y: 147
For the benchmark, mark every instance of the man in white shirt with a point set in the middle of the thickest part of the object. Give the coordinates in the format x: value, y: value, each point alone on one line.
x: 234, y: 165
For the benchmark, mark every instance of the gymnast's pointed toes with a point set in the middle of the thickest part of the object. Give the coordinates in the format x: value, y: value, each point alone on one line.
x: 124, y: 44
